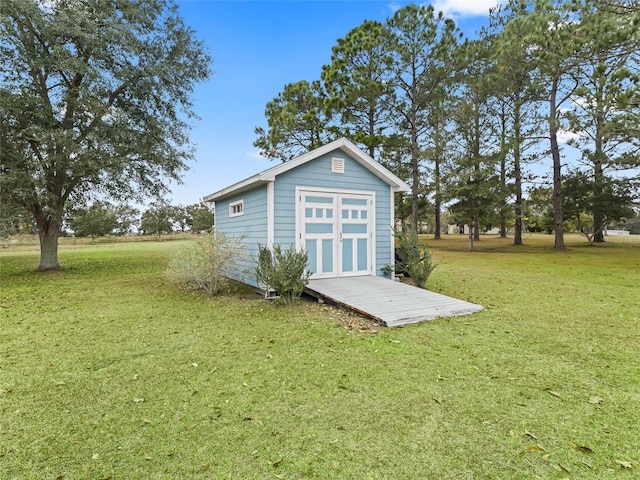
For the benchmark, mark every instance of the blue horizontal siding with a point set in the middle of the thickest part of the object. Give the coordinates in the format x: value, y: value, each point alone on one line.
x: 251, y: 226
x: 317, y: 173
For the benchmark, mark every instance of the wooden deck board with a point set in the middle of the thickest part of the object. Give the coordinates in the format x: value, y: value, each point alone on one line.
x: 392, y: 303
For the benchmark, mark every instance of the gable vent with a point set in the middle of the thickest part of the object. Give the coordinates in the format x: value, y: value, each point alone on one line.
x: 337, y: 165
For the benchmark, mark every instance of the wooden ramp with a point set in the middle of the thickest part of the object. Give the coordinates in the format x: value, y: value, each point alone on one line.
x: 389, y: 302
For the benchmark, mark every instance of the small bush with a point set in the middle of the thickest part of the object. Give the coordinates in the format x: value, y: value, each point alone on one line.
x: 413, y: 258
x: 207, y: 262
x: 283, y: 271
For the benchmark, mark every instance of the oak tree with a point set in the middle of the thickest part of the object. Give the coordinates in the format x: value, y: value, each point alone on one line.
x: 95, y: 98
x: 96, y: 220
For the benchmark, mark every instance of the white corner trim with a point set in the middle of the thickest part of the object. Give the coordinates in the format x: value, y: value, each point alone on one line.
x: 373, y: 238
x: 271, y: 217
x: 392, y: 223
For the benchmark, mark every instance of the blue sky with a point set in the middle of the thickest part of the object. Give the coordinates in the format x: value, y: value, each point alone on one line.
x: 257, y: 48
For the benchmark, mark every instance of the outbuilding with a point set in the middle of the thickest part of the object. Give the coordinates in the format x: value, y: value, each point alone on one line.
x: 335, y: 202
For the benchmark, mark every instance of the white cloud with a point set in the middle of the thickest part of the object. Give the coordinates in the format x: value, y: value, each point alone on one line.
x: 256, y: 155
x: 464, y: 8
x: 580, y: 101
x: 565, y: 135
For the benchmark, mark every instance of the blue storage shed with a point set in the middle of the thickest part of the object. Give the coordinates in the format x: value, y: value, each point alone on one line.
x: 335, y: 202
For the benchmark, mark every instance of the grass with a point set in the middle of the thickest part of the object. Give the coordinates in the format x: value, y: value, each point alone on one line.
x: 107, y: 370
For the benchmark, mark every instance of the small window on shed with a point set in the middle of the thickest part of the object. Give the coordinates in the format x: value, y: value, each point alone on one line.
x: 236, y: 208
x: 337, y: 165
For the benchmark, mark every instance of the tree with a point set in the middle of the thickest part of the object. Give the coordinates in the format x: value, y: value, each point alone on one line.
x: 632, y: 224
x: 200, y: 217
x: 519, y: 94
x: 128, y: 219
x: 613, y: 198
x: 538, y: 210
x: 419, y: 45
x: 562, y: 37
x: 159, y: 218
x: 603, y: 117
x: 619, y: 7
x: 296, y: 122
x: 180, y: 217
x: 94, y: 98
x: 555, y: 44
x: 357, y: 90
x: 436, y: 151
x: 13, y: 220
x: 97, y: 220
x: 475, y: 186
x: 472, y: 187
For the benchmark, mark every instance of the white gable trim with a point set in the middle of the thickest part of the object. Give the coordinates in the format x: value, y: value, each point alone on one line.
x: 350, y: 149
x: 396, y: 184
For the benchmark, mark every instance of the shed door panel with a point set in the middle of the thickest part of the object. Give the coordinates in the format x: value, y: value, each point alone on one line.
x: 318, y: 232
x: 336, y: 231
x: 355, y: 234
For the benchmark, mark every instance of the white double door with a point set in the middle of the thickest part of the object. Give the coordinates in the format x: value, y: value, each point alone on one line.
x: 336, y: 229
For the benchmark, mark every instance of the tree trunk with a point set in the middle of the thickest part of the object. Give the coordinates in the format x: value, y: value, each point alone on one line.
x: 415, y: 184
x: 598, y: 228
x: 438, y: 199
x: 598, y: 217
x: 517, y: 173
x: 598, y: 157
x: 415, y: 152
x: 503, y: 173
x: 558, y: 224
x: 48, y: 231
x: 475, y: 223
x: 372, y: 131
x: 470, y: 235
x: 438, y: 220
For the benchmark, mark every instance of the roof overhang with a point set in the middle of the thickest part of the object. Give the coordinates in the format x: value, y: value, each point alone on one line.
x: 396, y: 184
x: 236, y: 189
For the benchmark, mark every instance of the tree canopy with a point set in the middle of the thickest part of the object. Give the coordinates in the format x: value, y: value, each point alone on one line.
x: 297, y: 122
x: 468, y: 124
x: 95, y: 100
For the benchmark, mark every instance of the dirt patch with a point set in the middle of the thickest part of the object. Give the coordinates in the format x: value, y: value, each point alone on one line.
x: 352, y: 320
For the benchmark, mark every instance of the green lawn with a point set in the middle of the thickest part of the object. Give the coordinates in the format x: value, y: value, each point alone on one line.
x: 107, y: 370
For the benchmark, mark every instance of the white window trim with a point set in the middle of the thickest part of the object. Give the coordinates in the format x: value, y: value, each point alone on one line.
x: 232, y: 208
